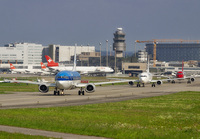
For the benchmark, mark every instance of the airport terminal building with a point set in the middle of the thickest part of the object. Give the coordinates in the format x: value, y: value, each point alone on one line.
x: 29, y: 55
x: 21, y: 53
x: 175, y: 51
x: 61, y: 53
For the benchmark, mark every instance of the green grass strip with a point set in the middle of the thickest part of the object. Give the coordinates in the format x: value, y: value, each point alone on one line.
x: 171, y: 116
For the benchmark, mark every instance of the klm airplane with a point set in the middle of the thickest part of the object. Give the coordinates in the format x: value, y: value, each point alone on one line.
x: 66, y: 80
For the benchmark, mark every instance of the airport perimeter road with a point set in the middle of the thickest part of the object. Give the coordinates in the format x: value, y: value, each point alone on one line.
x: 103, y: 94
x: 49, y: 134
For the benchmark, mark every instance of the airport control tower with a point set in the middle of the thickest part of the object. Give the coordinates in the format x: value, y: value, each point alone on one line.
x: 119, y: 44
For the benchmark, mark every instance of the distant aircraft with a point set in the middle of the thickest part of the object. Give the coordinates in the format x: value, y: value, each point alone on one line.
x: 33, y: 71
x: 65, y: 80
x: 180, y: 75
x: 81, y: 69
x: 14, y: 70
x: 146, y: 77
x: 43, y: 67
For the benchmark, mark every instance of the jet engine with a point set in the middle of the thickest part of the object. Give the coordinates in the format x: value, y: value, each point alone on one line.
x: 192, y: 79
x: 90, y: 88
x: 43, y: 88
x: 159, y: 82
x: 131, y: 83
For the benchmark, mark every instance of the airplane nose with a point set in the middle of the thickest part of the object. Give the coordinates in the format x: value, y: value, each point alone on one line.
x: 60, y: 85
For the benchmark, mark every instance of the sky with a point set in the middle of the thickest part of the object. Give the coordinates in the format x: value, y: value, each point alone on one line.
x: 84, y: 22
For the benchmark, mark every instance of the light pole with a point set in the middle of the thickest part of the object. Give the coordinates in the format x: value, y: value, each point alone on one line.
x: 81, y: 55
x: 115, y: 62
x: 135, y: 49
x: 100, y: 53
x: 106, y: 53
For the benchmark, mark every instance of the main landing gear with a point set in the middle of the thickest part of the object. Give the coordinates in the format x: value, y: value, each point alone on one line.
x: 153, y: 85
x: 81, y: 91
x: 138, y: 85
x: 173, y: 82
x: 57, y: 92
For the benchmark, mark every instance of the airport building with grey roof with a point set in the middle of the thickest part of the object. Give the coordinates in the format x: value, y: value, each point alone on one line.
x: 175, y: 51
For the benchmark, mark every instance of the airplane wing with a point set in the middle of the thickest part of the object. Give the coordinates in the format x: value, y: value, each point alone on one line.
x: 30, y: 82
x: 163, y: 80
x: 79, y: 85
x: 192, y: 76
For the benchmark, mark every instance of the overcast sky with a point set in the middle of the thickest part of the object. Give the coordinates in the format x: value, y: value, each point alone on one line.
x: 67, y: 22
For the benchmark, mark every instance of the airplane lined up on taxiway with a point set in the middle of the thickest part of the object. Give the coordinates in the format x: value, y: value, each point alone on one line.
x: 180, y: 75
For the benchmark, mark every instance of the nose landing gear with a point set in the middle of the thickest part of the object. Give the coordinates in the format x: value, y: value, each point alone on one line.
x: 57, y: 92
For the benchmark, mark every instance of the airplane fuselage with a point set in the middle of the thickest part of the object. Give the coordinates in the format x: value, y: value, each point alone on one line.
x: 86, y: 69
x: 180, y: 75
x: 145, y: 77
x: 67, y: 80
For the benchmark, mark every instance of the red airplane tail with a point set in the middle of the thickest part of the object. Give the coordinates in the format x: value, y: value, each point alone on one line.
x: 43, y: 66
x: 11, y: 66
x: 50, y: 62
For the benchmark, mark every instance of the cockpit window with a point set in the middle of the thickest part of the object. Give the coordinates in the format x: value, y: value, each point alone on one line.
x: 66, y: 77
x: 57, y: 77
x: 62, y: 77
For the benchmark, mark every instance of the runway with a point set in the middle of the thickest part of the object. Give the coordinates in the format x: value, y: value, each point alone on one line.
x: 112, y: 93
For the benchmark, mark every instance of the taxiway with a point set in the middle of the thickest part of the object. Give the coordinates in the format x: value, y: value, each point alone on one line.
x: 102, y: 94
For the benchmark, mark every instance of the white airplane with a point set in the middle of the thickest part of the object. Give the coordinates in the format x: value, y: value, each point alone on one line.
x: 66, y: 80
x: 180, y: 75
x: 14, y: 70
x: 33, y: 71
x: 81, y: 69
x: 146, y: 77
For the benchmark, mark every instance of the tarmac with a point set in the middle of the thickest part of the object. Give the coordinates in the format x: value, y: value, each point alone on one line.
x: 103, y: 94
x: 111, y: 93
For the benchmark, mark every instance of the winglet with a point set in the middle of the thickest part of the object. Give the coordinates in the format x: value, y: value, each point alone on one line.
x: 11, y: 66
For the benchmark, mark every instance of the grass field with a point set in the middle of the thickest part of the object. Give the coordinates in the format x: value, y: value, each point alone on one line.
x: 17, y: 87
x: 171, y: 116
